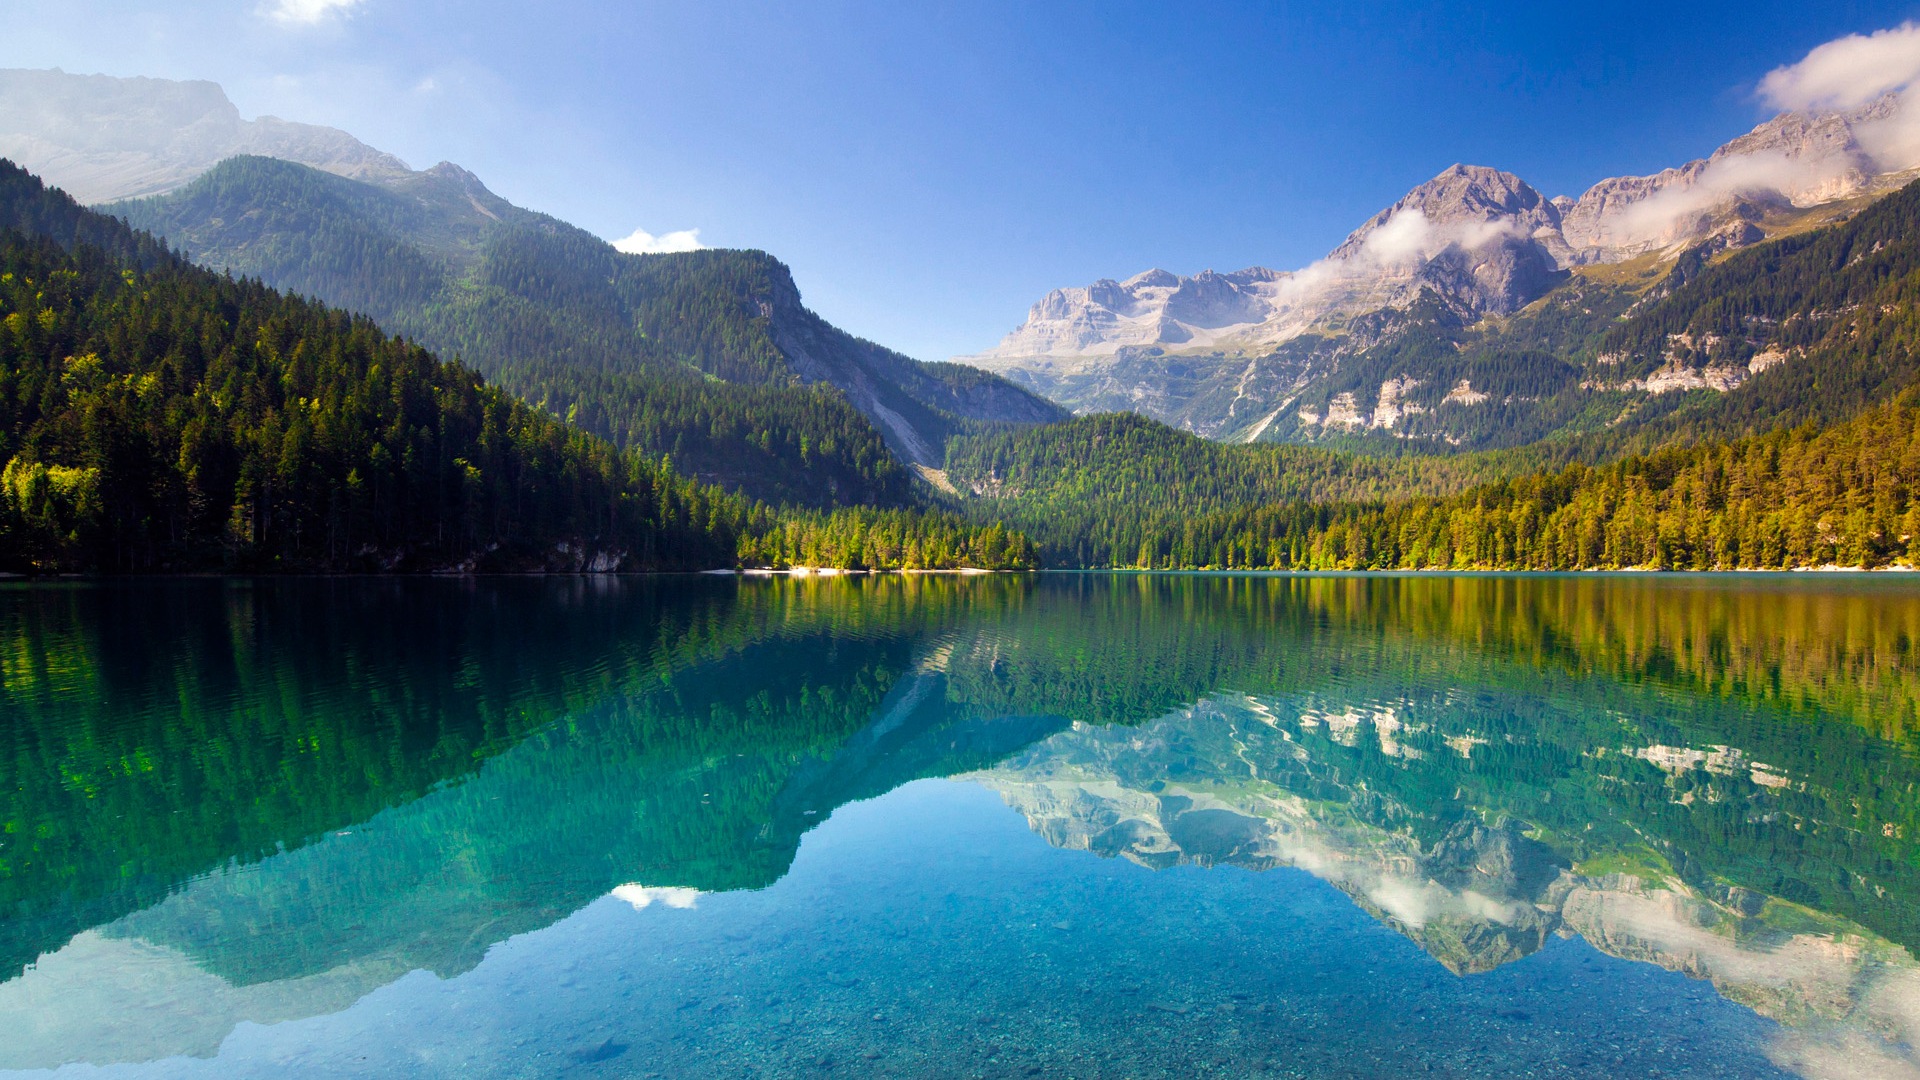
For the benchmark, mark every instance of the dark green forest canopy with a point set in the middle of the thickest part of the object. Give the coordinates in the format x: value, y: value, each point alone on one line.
x: 156, y: 416
x: 1808, y: 496
x: 1798, y: 498
x: 707, y: 357
x: 1090, y: 491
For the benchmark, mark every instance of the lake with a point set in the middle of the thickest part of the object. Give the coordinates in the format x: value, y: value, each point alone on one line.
x: 1061, y: 825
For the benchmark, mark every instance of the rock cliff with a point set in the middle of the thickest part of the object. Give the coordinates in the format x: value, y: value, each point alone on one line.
x: 1474, y: 240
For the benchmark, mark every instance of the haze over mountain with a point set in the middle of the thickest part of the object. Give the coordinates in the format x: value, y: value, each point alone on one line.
x: 100, y: 138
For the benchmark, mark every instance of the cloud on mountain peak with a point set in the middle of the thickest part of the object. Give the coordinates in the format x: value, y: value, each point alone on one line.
x: 1845, y: 75
x: 1847, y: 72
x: 642, y: 242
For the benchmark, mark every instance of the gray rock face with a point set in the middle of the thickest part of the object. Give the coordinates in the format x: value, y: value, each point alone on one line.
x: 1794, y: 160
x: 102, y: 138
x: 1480, y: 241
x: 1499, y: 203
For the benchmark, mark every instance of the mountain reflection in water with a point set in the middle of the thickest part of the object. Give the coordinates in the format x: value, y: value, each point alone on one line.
x: 233, y: 803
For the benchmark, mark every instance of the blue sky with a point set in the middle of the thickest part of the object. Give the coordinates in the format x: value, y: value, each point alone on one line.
x: 929, y: 170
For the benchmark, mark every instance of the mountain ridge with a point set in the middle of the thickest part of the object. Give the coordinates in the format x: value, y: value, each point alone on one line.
x: 1233, y: 355
x: 721, y: 367
x: 437, y: 255
x: 1794, y: 160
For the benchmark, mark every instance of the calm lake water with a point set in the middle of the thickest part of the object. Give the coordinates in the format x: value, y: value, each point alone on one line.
x: 1063, y: 826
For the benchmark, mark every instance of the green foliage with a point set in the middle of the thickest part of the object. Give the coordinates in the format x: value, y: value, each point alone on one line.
x: 1096, y: 490
x: 868, y: 538
x: 176, y: 420
x: 172, y: 419
x: 1843, y: 496
x: 707, y: 356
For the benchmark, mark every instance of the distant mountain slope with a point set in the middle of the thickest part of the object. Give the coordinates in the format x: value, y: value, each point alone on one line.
x: 1808, y: 327
x: 1710, y: 343
x: 158, y: 416
x: 1229, y: 355
x: 155, y: 416
x: 1800, y: 498
x: 708, y: 356
x: 101, y: 138
x: 1811, y: 331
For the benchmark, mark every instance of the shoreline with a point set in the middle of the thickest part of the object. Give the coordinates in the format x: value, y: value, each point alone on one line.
x: 836, y: 571
x: 9, y: 577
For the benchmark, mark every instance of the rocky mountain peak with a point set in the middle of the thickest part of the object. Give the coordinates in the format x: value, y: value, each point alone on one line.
x: 1479, y: 239
x: 1151, y: 279
x: 1812, y: 135
x: 1471, y: 193
x: 447, y: 170
x: 1462, y: 195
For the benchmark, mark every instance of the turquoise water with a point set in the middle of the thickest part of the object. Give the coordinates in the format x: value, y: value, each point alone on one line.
x: 1067, y: 825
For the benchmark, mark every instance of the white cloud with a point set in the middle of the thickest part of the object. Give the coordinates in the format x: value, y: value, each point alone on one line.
x: 307, y: 12
x: 1847, y: 72
x: 1847, y: 75
x: 1854, y: 71
x: 642, y: 242
x: 643, y: 896
x: 1655, y: 218
x: 1401, y: 243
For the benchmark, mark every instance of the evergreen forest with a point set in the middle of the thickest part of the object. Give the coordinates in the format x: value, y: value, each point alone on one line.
x: 657, y: 413
x: 706, y: 357
x: 155, y: 416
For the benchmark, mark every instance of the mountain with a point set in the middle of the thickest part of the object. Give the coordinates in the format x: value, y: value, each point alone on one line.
x: 660, y: 352
x: 156, y: 416
x: 1226, y: 355
x: 709, y: 357
x: 101, y: 138
x: 1752, y: 410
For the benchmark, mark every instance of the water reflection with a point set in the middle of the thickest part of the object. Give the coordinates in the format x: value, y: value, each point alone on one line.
x: 233, y: 803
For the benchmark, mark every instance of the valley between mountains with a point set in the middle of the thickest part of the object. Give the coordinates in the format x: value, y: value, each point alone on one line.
x: 263, y: 345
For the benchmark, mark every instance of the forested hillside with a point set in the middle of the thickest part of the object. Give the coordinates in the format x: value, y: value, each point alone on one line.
x: 1702, y: 344
x: 1810, y: 331
x: 707, y: 364
x: 1090, y: 490
x: 708, y: 357
x: 1848, y: 495
x: 157, y: 416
